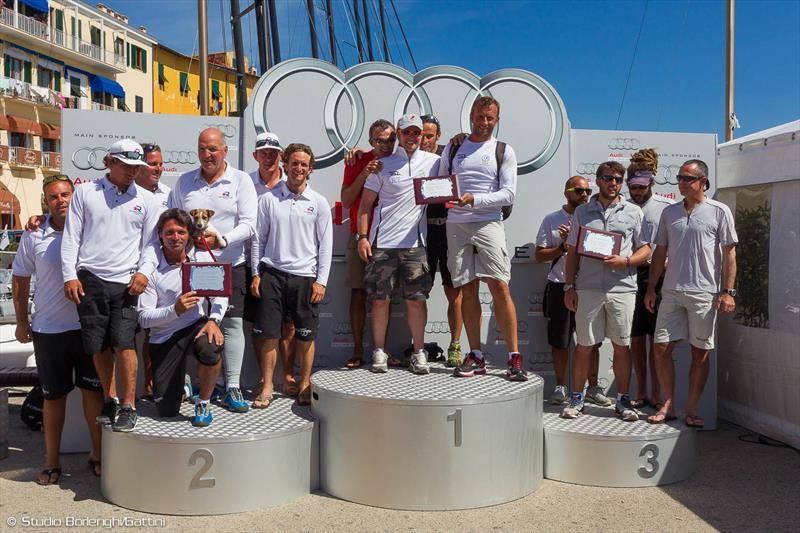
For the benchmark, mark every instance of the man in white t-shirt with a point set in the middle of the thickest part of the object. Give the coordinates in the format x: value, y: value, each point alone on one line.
x: 394, y: 248
x: 476, y: 238
x: 699, y: 239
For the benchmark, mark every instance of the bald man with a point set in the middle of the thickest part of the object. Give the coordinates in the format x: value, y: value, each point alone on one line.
x: 230, y: 193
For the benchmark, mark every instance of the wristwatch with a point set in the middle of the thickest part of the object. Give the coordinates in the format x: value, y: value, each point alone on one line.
x: 729, y: 292
x: 223, y: 242
x: 216, y: 321
x: 568, y: 286
x: 361, y: 236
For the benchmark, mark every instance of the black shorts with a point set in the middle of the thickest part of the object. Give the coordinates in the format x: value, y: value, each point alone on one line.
x: 169, y: 365
x: 437, y: 254
x: 285, y: 298
x: 240, y: 285
x: 560, y: 320
x: 644, y: 322
x: 250, y: 302
x: 107, y: 313
x: 63, y: 364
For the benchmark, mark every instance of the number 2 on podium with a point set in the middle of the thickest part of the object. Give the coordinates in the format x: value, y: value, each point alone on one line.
x: 198, y: 481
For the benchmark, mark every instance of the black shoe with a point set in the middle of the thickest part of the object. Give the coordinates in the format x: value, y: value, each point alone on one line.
x: 109, y: 413
x: 126, y: 420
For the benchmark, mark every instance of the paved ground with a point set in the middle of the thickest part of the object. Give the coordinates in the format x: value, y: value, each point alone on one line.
x: 737, y: 487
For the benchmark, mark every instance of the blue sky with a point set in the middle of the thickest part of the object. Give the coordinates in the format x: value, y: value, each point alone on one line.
x: 584, y: 49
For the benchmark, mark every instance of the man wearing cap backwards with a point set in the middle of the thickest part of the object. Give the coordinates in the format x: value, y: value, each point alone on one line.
x: 698, y: 238
x: 394, y: 248
x: 107, y: 257
x: 641, y: 172
x: 230, y: 193
x: 476, y: 238
x: 602, y: 292
x: 268, y: 176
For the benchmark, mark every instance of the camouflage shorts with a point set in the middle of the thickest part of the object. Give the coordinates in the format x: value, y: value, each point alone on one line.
x: 386, y: 265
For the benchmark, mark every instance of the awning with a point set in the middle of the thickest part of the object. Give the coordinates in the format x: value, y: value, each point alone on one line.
x: 50, y: 131
x: 105, y: 85
x: 23, y: 125
x: 8, y: 203
x: 38, y: 5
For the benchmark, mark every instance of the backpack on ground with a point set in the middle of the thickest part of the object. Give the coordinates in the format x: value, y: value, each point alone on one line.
x: 31, y: 411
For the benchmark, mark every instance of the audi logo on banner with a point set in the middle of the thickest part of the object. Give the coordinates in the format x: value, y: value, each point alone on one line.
x: 485, y: 297
x: 227, y: 130
x: 86, y: 158
x: 535, y: 298
x: 667, y: 174
x: 180, y: 157
x: 341, y: 328
x: 437, y: 327
x: 624, y: 143
x: 587, y: 169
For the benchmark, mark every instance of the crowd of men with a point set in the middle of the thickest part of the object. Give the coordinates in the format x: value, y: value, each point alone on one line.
x: 119, y: 245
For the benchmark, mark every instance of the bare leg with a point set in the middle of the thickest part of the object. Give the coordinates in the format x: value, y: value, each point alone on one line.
x: 380, y: 320
x: 127, y: 375
x: 286, y: 348
x: 622, y: 367
x: 454, y: 316
x: 471, y: 311
x: 666, y: 373
x: 92, y: 406
x: 580, y: 367
x: 594, y: 366
x: 358, y: 317
x: 207, y: 376
x: 560, y: 362
x: 148, y: 365
x: 305, y: 356
x: 268, y: 357
x: 417, y: 317
x: 104, y: 365
x: 698, y: 374
x: 639, y: 356
x: 655, y: 388
x: 53, y: 415
x: 505, y: 311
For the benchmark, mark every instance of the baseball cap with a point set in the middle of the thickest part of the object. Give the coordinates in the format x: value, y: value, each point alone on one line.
x: 409, y: 121
x: 268, y: 141
x: 640, y: 177
x: 128, y: 151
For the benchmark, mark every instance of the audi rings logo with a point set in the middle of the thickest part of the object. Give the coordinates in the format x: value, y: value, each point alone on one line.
x: 87, y: 158
x: 485, y: 297
x: 667, y: 174
x: 624, y: 143
x: 180, y: 157
x: 228, y: 130
x: 437, y: 327
x: 535, y: 298
x: 341, y: 328
x: 587, y: 169
x: 343, y: 121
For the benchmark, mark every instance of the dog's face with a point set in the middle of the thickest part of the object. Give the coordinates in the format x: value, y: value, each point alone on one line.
x: 201, y: 217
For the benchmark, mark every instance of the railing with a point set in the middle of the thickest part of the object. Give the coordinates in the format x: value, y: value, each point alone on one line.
x: 97, y: 106
x: 14, y: 88
x: 51, y: 160
x: 41, y: 30
x: 25, y: 157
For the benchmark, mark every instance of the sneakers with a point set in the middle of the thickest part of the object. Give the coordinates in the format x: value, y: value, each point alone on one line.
x: 597, y: 396
x: 454, y: 354
x: 126, y: 419
x: 515, y: 371
x: 559, y: 395
x: 419, y: 363
x: 234, y: 401
x: 187, y: 388
x: 624, y: 410
x: 471, y: 366
x: 575, y: 407
x: 109, y: 413
x: 380, y: 361
x: 202, y: 415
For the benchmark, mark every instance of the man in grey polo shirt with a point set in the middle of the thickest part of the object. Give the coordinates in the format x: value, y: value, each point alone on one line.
x: 699, y: 239
x: 606, y: 288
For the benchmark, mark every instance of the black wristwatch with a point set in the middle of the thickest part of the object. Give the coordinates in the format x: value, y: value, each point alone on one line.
x: 729, y: 292
x: 360, y: 236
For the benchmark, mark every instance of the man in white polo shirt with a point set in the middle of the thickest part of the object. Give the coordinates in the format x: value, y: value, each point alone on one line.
x: 699, y: 239
x: 61, y: 361
x: 230, y: 193
x: 291, y: 261
x: 107, y: 257
x: 476, y: 238
x: 394, y: 249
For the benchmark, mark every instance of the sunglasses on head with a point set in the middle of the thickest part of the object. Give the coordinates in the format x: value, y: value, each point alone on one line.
x: 267, y: 142
x: 618, y: 179
x: 150, y: 148
x: 411, y: 132
x: 580, y: 190
x: 136, y: 156
x: 55, y: 177
x: 430, y: 118
x: 384, y: 142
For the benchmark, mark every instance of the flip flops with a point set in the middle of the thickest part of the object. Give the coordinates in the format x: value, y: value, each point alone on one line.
x: 304, y: 398
x: 94, y: 464
x: 660, y: 418
x: 49, y: 472
x: 289, y: 388
x: 262, y: 401
x: 354, y: 362
x: 638, y: 404
x: 694, y: 421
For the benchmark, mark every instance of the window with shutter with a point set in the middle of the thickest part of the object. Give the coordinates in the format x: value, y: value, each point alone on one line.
x: 144, y: 61
x: 27, y: 75
x: 57, y: 82
x: 184, y: 83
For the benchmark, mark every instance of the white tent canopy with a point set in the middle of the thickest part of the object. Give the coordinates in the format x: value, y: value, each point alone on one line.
x: 767, y: 156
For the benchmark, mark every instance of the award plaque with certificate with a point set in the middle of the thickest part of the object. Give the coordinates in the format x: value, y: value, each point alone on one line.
x: 598, y: 244
x: 436, y: 190
x: 207, y: 279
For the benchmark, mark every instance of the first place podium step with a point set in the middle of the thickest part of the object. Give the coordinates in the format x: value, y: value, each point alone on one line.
x: 241, y: 462
x: 428, y: 442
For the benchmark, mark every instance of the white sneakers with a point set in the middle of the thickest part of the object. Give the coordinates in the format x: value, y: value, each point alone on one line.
x: 379, y: 361
x: 419, y: 363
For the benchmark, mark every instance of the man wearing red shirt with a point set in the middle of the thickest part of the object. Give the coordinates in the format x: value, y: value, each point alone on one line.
x: 381, y: 138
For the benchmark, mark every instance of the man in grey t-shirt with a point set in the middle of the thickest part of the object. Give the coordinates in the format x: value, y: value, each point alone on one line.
x: 698, y: 237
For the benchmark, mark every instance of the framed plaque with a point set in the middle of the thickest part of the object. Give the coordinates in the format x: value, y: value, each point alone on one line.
x: 207, y: 279
x: 436, y: 190
x: 598, y: 244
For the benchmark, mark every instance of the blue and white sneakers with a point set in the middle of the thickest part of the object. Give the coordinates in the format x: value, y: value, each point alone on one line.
x: 234, y: 401
x: 202, y: 415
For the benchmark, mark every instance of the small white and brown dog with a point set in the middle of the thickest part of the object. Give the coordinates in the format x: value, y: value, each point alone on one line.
x: 202, y: 221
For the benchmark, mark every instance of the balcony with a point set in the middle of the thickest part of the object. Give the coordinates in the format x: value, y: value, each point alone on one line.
x: 97, y: 106
x: 13, y: 88
x: 41, y: 31
x: 24, y: 157
x: 51, y: 160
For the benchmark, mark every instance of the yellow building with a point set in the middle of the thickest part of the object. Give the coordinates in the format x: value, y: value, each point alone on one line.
x: 176, y: 85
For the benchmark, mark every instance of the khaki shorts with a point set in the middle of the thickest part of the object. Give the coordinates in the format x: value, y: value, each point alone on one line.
x: 389, y: 268
x: 602, y: 315
x: 477, y: 250
x: 354, y: 273
x: 690, y: 316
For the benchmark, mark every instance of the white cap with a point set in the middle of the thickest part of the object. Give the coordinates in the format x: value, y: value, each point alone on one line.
x: 268, y: 141
x: 409, y: 121
x: 128, y: 151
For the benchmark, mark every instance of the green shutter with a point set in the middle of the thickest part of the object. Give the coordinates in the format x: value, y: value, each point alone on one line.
x: 27, y: 67
x: 144, y: 61
x: 215, y: 89
x: 60, y: 19
x: 7, y: 66
x: 72, y: 24
x: 161, y: 77
x: 57, y: 83
x: 184, y: 82
x: 80, y: 29
x: 128, y: 62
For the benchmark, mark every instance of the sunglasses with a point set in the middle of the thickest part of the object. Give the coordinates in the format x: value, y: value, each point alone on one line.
x: 430, y: 118
x: 637, y: 187
x: 688, y: 178
x: 54, y: 178
x: 618, y: 179
x: 580, y: 190
x: 411, y: 132
x: 268, y: 142
x: 136, y: 156
x: 150, y: 148
x: 384, y: 142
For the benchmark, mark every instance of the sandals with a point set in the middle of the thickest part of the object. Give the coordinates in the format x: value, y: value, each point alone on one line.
x: 638, y: 404
x: 49, y: 472
x: 94, y: 464
x: 354, y: 362
x: 289, y: 388
x: 304, y: 398
x: 660, y: 418
x: 694, y: 421
x: 262, y: 401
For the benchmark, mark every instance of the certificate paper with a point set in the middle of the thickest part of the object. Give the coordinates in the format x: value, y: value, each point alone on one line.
x: 207, y: 278
x: 599, y: 243
x: 436, y: 188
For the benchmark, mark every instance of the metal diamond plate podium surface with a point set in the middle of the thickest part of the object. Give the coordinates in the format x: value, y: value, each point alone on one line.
x: 241, y: 462
x: 428, y: 442
x: 597, y: 448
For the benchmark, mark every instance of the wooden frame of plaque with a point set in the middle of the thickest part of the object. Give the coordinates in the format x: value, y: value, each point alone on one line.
x: 453, y: 197
x: 582, y: 237
x: 186, y: 272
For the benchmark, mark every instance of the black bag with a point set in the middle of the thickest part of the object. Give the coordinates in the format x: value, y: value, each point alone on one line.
x: 31, y: 412
x: 499, y: 152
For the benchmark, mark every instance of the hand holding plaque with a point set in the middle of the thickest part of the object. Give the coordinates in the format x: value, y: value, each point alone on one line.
x: 597, y: 243
x: 436, y: 190
x: 207, y: 279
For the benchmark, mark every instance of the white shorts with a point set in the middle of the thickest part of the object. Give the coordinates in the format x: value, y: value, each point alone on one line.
x: 602, y: 315
x: 690, y: 316
x: 477, y: 250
